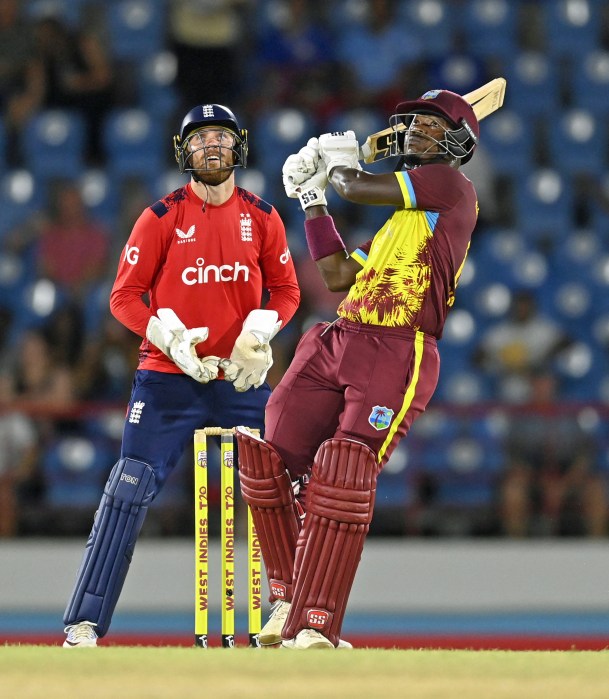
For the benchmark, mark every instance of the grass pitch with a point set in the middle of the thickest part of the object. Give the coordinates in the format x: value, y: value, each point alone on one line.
x: 44, y: 672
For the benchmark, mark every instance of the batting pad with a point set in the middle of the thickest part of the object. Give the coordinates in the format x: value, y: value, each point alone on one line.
x: 340, y: 503
x: 130, y: 488
x: 267, y: 489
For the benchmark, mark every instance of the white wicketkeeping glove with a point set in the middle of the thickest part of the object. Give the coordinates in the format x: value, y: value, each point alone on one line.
x: 339, y: 149
x: 251, y: 357
x: 167, y: 332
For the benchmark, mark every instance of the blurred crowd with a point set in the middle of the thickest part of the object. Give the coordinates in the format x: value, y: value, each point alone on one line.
x: 515, y: 444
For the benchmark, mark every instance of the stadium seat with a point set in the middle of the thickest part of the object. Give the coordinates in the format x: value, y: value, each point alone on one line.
x: 544, y: 203
x: 490, y: 27
x: 132, y: 144
x: 509, y: 140
x: 589, y: 83
x: 280, y: 132
x: 533, y: 85
x: 136, y: 28
x: 156, y: 84
x: 578, y: 142
x: 74, y: 470
x: 53, y: 144
x: 20, y: 196
x: 432, y: 22
x: 571, y: 27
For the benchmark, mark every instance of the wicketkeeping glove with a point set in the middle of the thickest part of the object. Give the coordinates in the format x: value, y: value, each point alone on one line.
x: 251, y: 357
x: 339, y: 149
x: 167, y: 332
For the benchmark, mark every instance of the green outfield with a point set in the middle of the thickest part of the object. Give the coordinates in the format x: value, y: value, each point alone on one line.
x: 43, y: 672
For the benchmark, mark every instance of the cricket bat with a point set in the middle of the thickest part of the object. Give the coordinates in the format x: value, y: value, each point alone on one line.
x: 484, y: 101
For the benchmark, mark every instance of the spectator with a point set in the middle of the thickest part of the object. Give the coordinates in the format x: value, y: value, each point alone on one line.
x: 388, y: 48
x: 32, y: 383
x: 78, y: 75
x: 523, y: 342
x: 296, y: 53
x: 21, y: 75
x: 207, y: 38
x: 107, y: 362
x: 70, y: 248
x: 551, y: 470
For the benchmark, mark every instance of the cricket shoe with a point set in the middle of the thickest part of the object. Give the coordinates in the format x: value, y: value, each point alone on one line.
x: 80, y: 635
x: 308, y: 639
x: 271, y: 632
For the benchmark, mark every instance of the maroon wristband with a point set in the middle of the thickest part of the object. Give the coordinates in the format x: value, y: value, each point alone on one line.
x: 322, y: 237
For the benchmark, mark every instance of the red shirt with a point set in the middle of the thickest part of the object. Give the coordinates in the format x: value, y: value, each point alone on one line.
x: 210, y: 264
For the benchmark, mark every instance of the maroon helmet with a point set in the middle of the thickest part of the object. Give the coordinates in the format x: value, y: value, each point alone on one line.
x: 459, y: 142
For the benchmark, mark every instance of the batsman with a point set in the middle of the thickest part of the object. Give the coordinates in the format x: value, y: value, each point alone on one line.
x: 356, y: 385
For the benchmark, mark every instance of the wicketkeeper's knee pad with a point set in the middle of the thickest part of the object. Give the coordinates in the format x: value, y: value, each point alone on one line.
x: 130, y: 489
x: 267, y: 488
x: 340, y: 504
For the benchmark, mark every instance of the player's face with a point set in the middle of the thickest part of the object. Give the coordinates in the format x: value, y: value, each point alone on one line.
x: 425, y: 134
x: 211, y: 153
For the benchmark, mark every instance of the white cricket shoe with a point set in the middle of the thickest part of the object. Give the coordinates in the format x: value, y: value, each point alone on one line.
x: 308, y: 639
x: 271, y: 631
x: 80, y: 635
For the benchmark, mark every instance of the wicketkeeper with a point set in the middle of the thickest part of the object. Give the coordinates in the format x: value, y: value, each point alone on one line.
x: 356, y: 385
x: 203, y: 255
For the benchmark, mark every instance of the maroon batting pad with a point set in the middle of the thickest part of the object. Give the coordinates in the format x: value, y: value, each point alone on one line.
x: 340, y: 502
x: 267, y: 489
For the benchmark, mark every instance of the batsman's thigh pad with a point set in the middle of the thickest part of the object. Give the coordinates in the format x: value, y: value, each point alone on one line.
x: 267, y: 489
x: 340, y: 503
x: 130, y: 489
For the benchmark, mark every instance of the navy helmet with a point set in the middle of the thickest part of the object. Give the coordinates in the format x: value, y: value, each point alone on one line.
x: 209, y: 115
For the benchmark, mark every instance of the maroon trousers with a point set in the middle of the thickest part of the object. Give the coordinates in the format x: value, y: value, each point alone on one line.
x: 353, y: 381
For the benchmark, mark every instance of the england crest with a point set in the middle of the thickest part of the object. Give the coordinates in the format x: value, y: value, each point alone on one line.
x: 380, y: 417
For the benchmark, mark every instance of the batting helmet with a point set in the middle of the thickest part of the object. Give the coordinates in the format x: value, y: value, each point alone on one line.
x: 209, y: 115
x: 459, y: 142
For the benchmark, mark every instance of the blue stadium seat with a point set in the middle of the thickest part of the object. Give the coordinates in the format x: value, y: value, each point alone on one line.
x: 508, y: 139
x: 533, y: 85
x: 490, y: 27
x: 156, y: 84
x: 74, y: 470
x: 20, y: 196
x: 132, y: 144
x: 589, y: 83
x: 578, y: 142
x: 571, y: 27
x: 544, y: 202
x: 53, y: 144
x: 278, y: 133
x: 136, y: 28
x: 432, y: 22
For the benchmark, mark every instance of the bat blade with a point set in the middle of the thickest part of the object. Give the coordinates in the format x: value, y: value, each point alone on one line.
x: 484, y: 100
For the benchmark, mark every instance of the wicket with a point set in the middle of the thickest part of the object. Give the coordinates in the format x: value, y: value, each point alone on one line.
x: 227, y: 545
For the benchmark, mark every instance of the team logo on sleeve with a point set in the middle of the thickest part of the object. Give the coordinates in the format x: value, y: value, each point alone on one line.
x: 380, y: 417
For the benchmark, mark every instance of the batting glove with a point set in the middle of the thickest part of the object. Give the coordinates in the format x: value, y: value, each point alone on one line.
x: 167, y: 332
x: 339, y: 149
x: 251, y: 357
x: 300, y: 166
x: 312, y: 191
